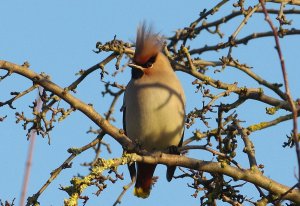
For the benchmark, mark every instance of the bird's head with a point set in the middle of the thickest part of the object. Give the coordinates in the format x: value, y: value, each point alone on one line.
x: 148, y: 46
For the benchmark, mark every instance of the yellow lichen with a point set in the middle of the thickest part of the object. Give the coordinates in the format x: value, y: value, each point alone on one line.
x: 132, y: 157
x: 244, y: 89
x: 261, y: 91
x: 271, y: 110
x: 223, y: 164
x: 80, y: 184
x: 185, y: 50
x: 72, y: 201
x: 206, y: 79
x: 258, y: 126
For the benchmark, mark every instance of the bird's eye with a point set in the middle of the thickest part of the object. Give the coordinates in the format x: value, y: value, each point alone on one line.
x: 150, y: 62
x: 149, y: 65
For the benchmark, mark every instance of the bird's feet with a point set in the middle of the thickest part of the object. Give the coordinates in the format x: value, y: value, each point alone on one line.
x: 173, y: 150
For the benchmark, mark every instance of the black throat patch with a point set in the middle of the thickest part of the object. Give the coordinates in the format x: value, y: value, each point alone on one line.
x: 136, y: 73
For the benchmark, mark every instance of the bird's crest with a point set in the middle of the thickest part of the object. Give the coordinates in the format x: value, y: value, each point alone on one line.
x: 148, y: 44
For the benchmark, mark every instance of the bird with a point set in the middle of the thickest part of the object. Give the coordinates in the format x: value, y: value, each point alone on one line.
x: 153, y: 108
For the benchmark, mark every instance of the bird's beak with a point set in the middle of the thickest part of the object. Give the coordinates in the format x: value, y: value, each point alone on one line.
x: 136, y: 67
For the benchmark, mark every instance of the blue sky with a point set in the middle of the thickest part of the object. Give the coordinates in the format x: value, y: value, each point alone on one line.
x: 57, y: 37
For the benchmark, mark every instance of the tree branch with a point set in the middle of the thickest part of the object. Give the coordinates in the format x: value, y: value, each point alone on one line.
x: 213, y: 167
x: 76, y: 103
x: 243, y: 40
x: 251, y: 176
x: 292, y: 104
x: 248, y: 93
x: 85, y: 73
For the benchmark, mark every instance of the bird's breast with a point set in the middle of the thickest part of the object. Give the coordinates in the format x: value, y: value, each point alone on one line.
x: 155, y: 113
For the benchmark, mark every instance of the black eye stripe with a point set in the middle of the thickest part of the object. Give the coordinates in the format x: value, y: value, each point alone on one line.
x: 150, y: 62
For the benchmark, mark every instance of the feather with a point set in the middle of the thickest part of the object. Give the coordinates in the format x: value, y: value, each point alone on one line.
x: 148, y: 44
x: 144, y: 181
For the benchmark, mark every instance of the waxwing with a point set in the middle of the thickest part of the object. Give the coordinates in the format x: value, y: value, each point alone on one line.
x: 154, y: 106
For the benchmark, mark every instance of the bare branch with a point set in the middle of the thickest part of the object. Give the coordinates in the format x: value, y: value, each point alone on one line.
x: 243, y: 40
x: 125, y: 188
x: 86, y: 109
x: 248, y: 93
x: 239, y: 28
x: 292, y: 104
x: 30, y: 152
x: 66, y: 164
x: 292, y: 2
x: 85, y: 73
x: 171, y: 160
x: 17, y: 96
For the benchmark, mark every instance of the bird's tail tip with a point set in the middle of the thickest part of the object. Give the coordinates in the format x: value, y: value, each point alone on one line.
x: 141, y: 192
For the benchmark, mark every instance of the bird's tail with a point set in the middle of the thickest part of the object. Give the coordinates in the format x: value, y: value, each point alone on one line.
x: 144, y: 180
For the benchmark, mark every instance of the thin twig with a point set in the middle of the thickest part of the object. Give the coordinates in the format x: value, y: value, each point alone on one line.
x: 248, y: 93
x: 66, y: 164
x: 202, y: 147
x: 263, y: 125
x: 187, y: 32
x: 206, y: 25
x: 249, y: 147
x: 125, y: 188
x: 214, y: 152
x: 282, y: 196
x: 242, y: 24
x: 90, y: 70
x: 230, y: 201
x: 243, y: 67
x: 74, y: 153
x: 287, y: 88
x: 6, y: 75
x: 17, y: 96
x: 32, y: 137
x: 108, y: 117
x: 243, y: 40
x: 291, y: 2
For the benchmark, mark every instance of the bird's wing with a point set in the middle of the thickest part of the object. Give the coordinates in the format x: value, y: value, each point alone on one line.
x: 131, y: 167
x: 171, y: 169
